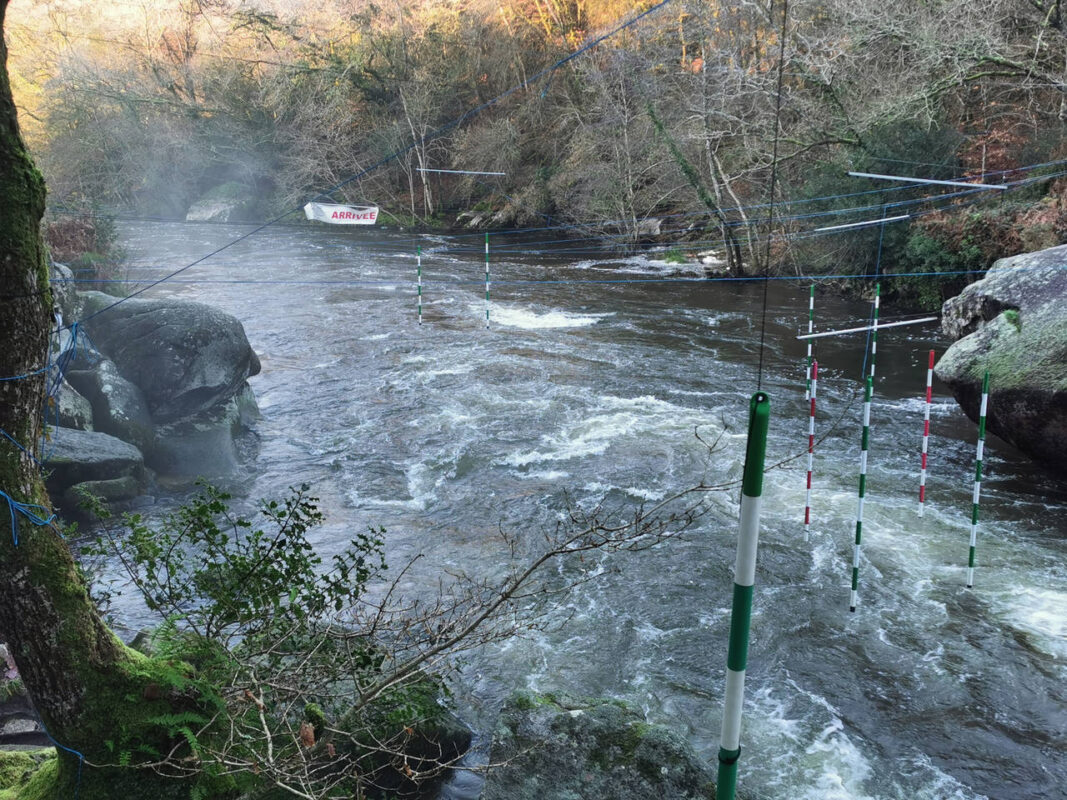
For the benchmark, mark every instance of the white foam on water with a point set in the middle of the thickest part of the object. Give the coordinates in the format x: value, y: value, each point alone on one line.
x: 640, y: 265
x: 829, y: 767
x: 1042, y: 613
x: 461, y: 370
x: 916, y: 406
x: 375, y: 337
x: 420, y: 494
x: 612, y: 418
x: 545, y: 475
x: 525, y: 319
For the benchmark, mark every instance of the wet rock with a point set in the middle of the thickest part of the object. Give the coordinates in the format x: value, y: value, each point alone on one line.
x: 119, y: 407
x: 111, y: 491
x: 208, y: 444
x: 73, y: 457
x: 74, y: 411
x: 551, y: 748
x: 1013, y: 323
x: 186, y: 357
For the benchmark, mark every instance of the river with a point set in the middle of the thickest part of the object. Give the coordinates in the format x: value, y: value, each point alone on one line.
x: 589, y: 385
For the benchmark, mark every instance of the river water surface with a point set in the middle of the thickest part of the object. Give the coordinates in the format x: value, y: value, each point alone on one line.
x: 587, y: 388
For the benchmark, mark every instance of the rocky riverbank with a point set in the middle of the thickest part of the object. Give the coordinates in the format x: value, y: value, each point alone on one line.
x: 147, y: 389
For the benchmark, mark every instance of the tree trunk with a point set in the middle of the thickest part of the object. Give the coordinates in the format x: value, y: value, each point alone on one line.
x: 84, y: 683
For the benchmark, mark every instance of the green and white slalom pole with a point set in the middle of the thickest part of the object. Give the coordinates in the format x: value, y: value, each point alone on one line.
x: 854, y: 599
x: 926, y: 432
x: 977, y: 479
x: 487, y: 281
x: 419, y: 274
x: 811, y: 329
x: 874, y: 328
x: 744, y: 578
x: 811, y: 448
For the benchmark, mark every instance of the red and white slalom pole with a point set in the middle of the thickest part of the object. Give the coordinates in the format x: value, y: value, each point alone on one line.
x: 926, y: 432
x: 811, y: 447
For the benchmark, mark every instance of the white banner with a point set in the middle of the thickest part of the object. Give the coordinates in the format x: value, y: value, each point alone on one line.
x: 342, y: 215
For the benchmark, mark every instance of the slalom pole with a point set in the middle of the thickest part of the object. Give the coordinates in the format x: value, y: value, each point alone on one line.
x: 487, y: 280
x: 419, y: 256
x: 744, y: 578
x: 977, y: 479
x: 874, y: 328
x: 854, y: 599
x: 811, y: 447
x: 811, y: 329
x: 926, y: 432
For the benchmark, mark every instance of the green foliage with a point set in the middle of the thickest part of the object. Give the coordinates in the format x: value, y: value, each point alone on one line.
x: 224, y: 578
x: 253, y: 636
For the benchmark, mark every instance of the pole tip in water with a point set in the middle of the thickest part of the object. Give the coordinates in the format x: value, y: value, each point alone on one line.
x: 852, y: 609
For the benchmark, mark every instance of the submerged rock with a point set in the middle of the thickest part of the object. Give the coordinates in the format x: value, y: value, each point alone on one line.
x: 1013, y: 323
x: 549, y: 748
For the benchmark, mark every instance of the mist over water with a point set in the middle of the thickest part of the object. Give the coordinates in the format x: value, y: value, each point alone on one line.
x: 585, y: 392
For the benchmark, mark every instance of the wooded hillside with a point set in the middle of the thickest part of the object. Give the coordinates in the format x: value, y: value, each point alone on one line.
x: 147, y: 107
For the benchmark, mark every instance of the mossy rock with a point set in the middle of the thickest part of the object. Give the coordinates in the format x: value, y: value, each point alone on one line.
x: 1013, y: 324
x: 550, y: 747
x: 18, y: 773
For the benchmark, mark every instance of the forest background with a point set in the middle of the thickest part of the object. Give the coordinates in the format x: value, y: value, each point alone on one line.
x: 142, y: 108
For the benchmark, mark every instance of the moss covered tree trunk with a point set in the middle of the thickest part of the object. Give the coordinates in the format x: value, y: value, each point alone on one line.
x: 85, y: 684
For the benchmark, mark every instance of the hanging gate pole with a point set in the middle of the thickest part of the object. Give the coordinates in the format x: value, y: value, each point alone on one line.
x: 811, y: 447
x: 926, y: 432
x: 811, y: 329
x: 744, y: 579
x: 874, y: 329
x: 854, y: 599
x: 977, y: 479
x: 419, y: 273
x: 487, y: 281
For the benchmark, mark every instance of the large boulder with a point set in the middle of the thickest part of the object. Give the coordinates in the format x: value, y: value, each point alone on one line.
x: 119, y: 407
x: 186, y: 357
x: 551, y: 748
x: 1013, y: 323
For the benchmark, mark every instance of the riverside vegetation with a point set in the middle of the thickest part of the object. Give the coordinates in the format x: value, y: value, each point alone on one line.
x: 147, y: 110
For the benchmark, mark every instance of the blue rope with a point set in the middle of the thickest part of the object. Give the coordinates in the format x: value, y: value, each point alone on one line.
x: 613, y: 281
x: 27, y: 510
x: 756, y: 207
x: 15, y: 442
x: 45, y: 368
x: 513, y: 247
x: 81, y: 758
